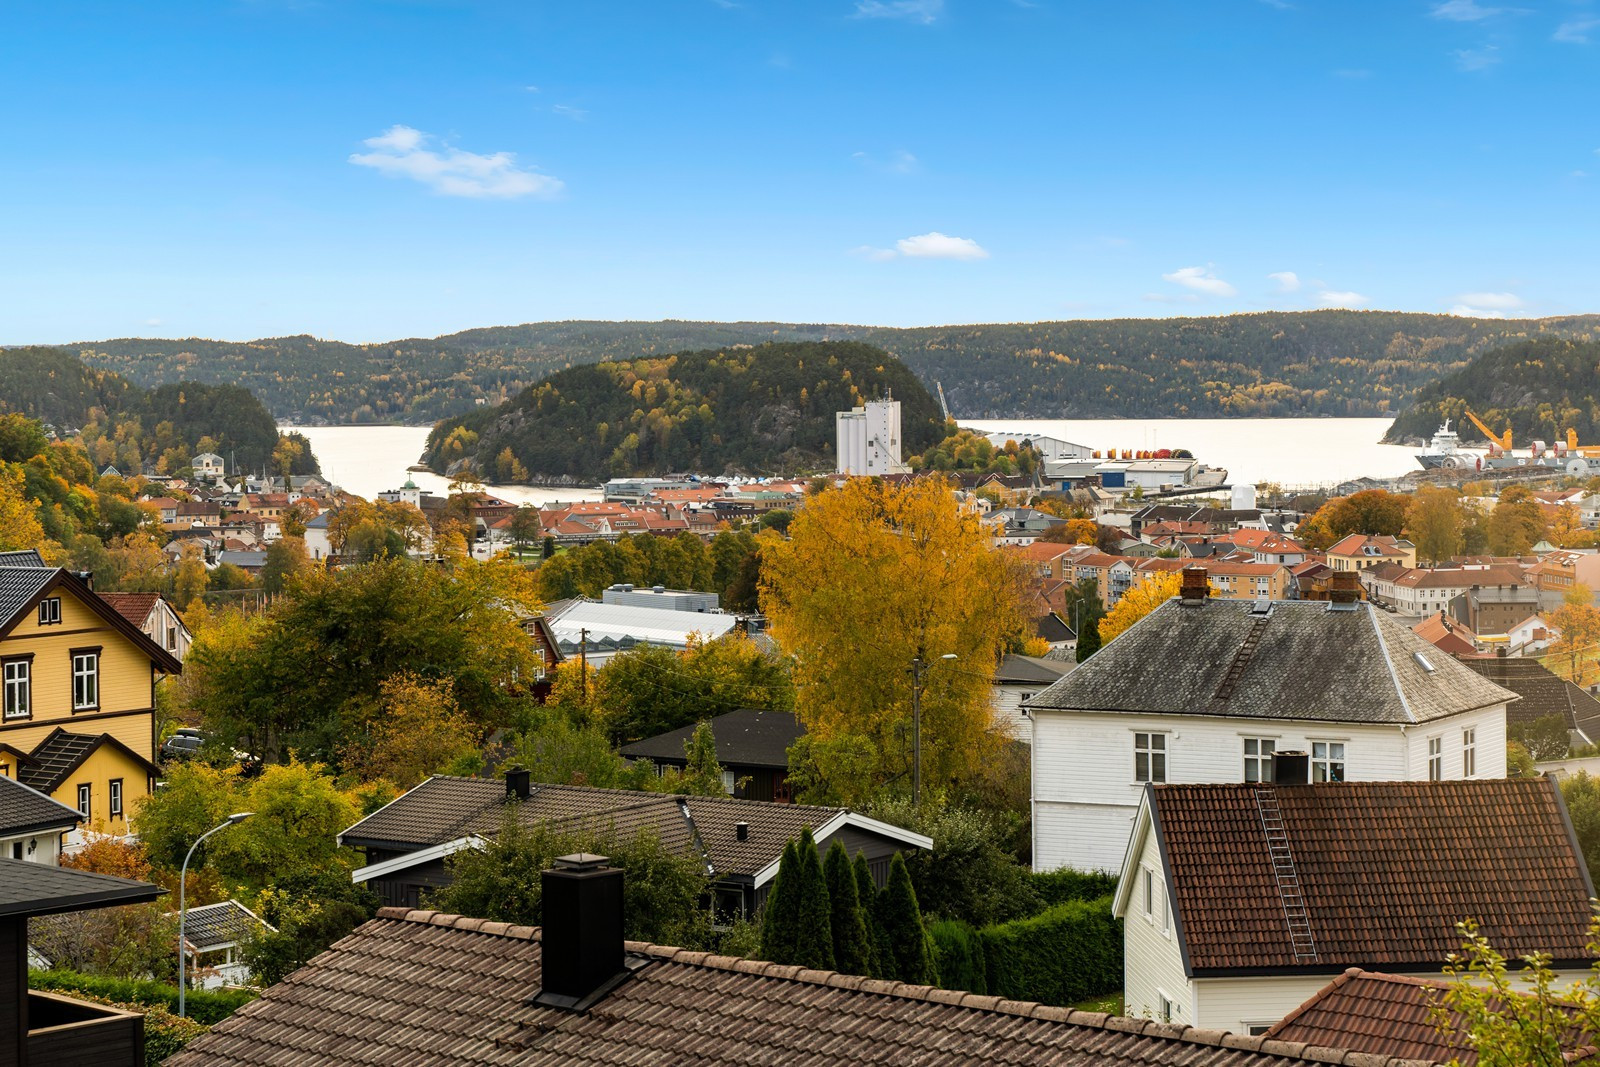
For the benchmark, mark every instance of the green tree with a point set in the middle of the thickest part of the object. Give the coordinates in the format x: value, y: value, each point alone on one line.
x: 554, y: 749
x: 191, y: 579
x: 780, y: 920
x: 1582, y: 796
x: 901, y: 920
x: 1517, y: 522
x: 1088, y: 639
x: 814, y: 940
x: 650, y: 689
x: 1545, y: 738
x: 311, y: 908
x: 1436, y: 523
x: 286, y: 558
x: 299, y: 813
x: 1371, y: 511
x: 852, y: 944
x: 702, y: 774
x: 882, y: 952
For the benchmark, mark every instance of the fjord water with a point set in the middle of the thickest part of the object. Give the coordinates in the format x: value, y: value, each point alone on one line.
x: 1286, y: 451
x: 367, y: 460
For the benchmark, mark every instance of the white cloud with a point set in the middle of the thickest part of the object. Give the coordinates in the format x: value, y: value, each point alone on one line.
x: 1335, y: 298
x: 923, y: 11
x: 1288, y: 281
x: 1477, y: 58
x: 1576, y: 31
x: 576, y: 114
x: 876, y: 255
x: 1464, y: 11
x: 1475, y: 313
x: 1495, y: 301
x: 1201, y: 280
x: 936, y: 245
x: 403, y: 152
x: 152, y: 322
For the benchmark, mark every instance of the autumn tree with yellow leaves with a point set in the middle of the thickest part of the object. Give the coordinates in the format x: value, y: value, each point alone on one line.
x: 871, y: 577
x: 1138, y: 602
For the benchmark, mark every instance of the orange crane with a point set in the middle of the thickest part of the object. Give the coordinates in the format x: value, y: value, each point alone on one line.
x: 1496, y: 442
x: 1576, y: 449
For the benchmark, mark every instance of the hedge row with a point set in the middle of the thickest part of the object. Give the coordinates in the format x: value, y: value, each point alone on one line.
x: 202, y: 1005
x: 1060, y: 886
x: 1064, y: 955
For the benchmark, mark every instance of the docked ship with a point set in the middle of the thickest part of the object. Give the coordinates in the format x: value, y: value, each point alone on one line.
x: 1444, y: 452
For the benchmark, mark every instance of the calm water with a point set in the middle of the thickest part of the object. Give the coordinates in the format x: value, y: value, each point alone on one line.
x: 367, y: 460
x: 1286, y: 451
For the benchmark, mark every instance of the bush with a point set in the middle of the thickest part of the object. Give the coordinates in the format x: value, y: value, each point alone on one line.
x: 958, y: 952
x: 1060, y: 886
x: 1062, y: 956
x: 966, y: 875
x: 208, y: 1006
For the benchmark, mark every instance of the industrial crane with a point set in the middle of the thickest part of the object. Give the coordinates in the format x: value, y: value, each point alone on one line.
x: 1496, y: 442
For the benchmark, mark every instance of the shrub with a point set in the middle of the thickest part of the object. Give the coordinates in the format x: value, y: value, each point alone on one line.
x: 958, y: 952
x: 1064, y: 955
x: 1060, y: 886
x: 207, y: 1006
x: 966, y: 875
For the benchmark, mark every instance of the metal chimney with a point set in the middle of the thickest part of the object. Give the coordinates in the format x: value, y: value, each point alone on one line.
x: 581, y: 958
x: 517, y: 787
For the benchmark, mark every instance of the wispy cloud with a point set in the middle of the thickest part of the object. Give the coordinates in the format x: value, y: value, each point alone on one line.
x: 936, y: 245
x: 1492, y: 301
x: 1172, y: 298
x: 403, y: 152
x: 1200, y: 280
x: 923, y: 11
x: 1477, y: 58
x: 1336, y: 298
x: 1288, y: 281
x: 1575, y: 32
x: 1468, y: 312
x: 567, y: 111
x: 875, y: 255
x: 1464, y: 11
x: 900, y: 162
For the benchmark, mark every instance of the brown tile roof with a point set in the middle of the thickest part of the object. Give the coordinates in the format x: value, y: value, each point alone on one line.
x: 421, y: 988
x: 1381, y: 545
x: 1388, y: 1014
x: 135, y: 607
x: 1448, y: 635
x: 1386, y: 868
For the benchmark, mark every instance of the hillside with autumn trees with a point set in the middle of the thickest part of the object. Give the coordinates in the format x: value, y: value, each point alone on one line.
x: 1271, y: 364
x: 1539, y: 387
x: 758, y: 410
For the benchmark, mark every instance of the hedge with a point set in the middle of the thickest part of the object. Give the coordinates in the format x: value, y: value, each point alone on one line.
x: 1060, y: 886
x: 206, y: 1006
x: 958, y: 954
x: 1063, y: 955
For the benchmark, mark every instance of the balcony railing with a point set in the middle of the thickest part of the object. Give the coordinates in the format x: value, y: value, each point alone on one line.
x: 69, y: 1033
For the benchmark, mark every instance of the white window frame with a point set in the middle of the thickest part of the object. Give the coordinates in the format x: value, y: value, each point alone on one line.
x: 1469, y: 752
x: 85, y: 680
x: 1333, y: 755
x: 85, y: 800
x: 1149, y: 893
x: 1436, y: 758
x: 50, y: 611
x: 1147, y: 745
x: 18, y: 682
x: 1165, y: 1008
x: 1260, y: 760
x: 538, y: 671
x: 729, y: 782
x: 115, y: 798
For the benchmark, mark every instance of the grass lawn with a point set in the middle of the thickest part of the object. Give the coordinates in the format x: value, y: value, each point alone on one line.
x: 1111, y: 1004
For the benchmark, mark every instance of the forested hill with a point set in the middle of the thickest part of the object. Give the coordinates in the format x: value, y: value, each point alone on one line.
x: 1268, y: 364
x: 1539, y: 388
x: 128, y: 426
x: 756, y: 410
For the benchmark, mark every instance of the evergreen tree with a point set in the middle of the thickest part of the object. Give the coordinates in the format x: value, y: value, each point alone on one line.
x: 882, y: 954
x: 1089, y: 639
x: 852, y: 951
x: 814, y: 940
x: 702, y: 774
x: 901, y: 920
x: 780, y: 924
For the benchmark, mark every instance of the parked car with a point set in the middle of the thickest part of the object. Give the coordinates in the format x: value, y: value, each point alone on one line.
x: 186, y: 743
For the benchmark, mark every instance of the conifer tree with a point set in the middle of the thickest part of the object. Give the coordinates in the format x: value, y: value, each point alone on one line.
x: 781, y: 922
x: 814, y: 939
x: 867, y: 891
x: 852, y: 951
x: 901, y: 920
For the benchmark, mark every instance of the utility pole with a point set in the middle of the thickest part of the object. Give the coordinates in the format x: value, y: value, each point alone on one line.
x: 583, y: 661
x: 917, y: 667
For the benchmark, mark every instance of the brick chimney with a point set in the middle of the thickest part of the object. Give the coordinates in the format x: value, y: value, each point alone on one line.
x: 1344, y: 587
x: 581, y: 956
x: 1192, y: 586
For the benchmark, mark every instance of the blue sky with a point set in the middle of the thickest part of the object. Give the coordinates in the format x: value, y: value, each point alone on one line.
x: 367, y: 170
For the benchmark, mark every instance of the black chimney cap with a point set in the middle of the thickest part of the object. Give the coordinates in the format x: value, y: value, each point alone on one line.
x: 741, y: 831
x: 581, y: 951
x: 518, y: 785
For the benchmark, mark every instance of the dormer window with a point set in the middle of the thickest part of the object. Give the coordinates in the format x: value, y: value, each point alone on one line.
x: 50, y: 611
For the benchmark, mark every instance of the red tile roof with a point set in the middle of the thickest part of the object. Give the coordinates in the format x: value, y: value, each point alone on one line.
x: 418, y: 987
x: 135, y: 607
x: 1387, y: 869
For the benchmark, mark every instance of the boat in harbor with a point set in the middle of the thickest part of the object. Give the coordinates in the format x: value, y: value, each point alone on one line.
x: 1444, y: 452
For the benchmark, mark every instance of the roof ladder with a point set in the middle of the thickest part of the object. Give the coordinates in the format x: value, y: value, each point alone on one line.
x: 1295, y: 916
x: 1242, y: 658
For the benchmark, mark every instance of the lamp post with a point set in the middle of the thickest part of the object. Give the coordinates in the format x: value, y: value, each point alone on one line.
x: 919, y: 666
x: 183, y: 885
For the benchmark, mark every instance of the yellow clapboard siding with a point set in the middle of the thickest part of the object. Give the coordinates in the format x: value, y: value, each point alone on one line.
x: 103, y: 765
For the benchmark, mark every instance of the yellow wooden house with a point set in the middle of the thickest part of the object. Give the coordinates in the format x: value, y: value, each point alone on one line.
x: 77, y: 694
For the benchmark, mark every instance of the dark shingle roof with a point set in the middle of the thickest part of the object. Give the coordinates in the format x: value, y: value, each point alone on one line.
x: 25, y: 557
x: 25, y: 810
x: 37, y: 889
x: 421, y: 988
x: 1387, y: 1015
x: 60, y: 753
x: 1053, y: 628
x: 1306, y: 662
x: 211, y: 925
x: 1028, y: 670
x: 18, y: 587
x: 1542, y: 693
x: 1386, y: 868
x: 745, y: 738
x: 443, y: 809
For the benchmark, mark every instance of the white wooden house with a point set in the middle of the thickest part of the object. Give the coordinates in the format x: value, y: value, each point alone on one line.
x: 1016, y: 680
x: 1239, y: 902
x: 1207, y: 690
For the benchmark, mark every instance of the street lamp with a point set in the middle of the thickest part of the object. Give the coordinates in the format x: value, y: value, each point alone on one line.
x: 183, y: 884
x: 918, y: 668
